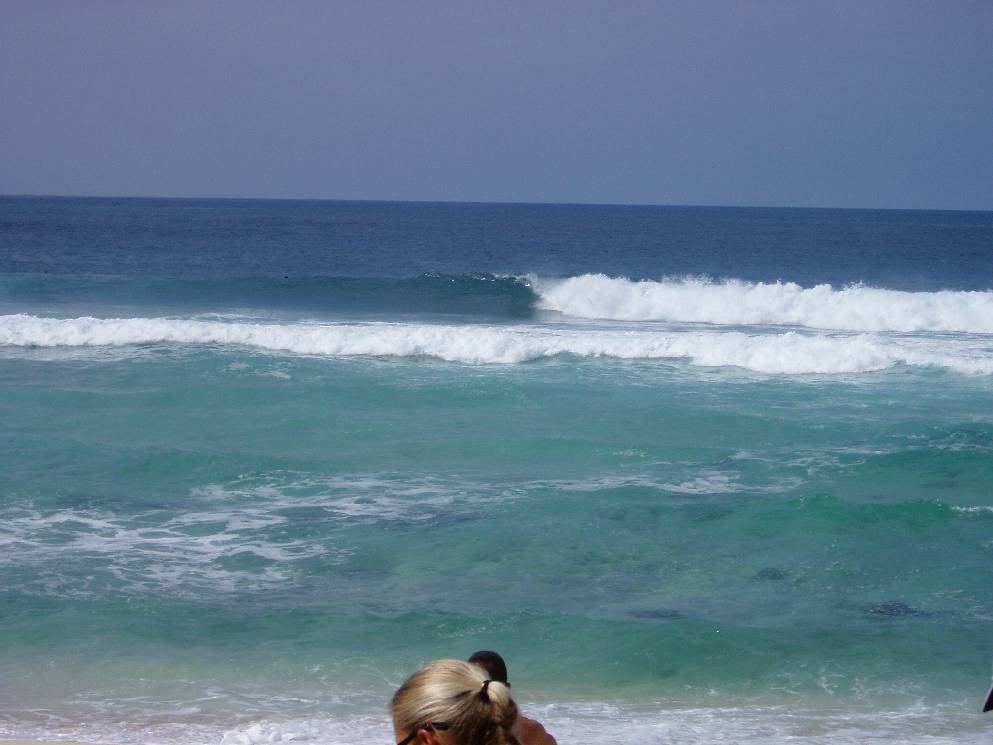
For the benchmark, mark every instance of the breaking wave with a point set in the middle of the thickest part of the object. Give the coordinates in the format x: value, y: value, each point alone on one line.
x: 738, y: 303
x: 788, y: 352
x: 611, y: 723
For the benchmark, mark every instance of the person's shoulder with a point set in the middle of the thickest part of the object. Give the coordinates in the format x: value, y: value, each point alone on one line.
x: 533, y: 733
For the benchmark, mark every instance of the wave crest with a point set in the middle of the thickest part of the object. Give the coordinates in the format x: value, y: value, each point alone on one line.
x: 784, y: 353
x: 736, y: 303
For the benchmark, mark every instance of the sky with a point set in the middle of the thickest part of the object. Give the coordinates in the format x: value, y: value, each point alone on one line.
x: 767, y: 103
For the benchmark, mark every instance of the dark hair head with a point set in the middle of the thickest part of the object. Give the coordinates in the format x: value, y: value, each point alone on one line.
x: 492, y: 663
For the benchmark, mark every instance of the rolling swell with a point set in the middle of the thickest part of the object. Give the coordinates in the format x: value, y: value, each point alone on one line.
x: 474, y: 294
x: 771, y: 328
x: 482, y: 296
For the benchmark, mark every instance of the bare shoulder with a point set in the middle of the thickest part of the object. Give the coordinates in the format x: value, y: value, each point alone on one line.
x: 533, y: 733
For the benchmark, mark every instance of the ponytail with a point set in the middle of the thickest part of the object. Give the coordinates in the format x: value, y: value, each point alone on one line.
x: 477, y: 710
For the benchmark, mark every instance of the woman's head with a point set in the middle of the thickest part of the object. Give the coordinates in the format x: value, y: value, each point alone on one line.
x: 451, y: 702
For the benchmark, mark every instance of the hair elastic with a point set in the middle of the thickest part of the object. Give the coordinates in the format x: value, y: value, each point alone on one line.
x: 483, y: 692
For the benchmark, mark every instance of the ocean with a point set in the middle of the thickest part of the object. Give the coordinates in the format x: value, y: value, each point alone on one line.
x: 699, y: 474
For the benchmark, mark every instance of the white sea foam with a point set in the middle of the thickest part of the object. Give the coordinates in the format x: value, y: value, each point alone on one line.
x: 244, y: 535
x: 704, y: 481
x: 608, y: 723
x: 230, y: 538
x: 150, y: 552
x: 618, y: 724
x: 738, y: 303
x: 789, y: 352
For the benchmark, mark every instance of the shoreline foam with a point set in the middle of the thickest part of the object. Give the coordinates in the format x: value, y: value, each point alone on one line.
x: 605, y: 722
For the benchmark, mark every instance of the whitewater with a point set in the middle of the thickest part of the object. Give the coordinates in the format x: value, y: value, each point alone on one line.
x: 772, y: 328
x: 737, y: 302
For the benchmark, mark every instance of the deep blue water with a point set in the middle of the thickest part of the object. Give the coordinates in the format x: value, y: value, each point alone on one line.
x: 221, y: 239
x: 699, y: 473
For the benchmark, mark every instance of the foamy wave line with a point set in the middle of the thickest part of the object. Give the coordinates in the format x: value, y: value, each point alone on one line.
x: 784, y: 353
x: 235, y: 538
x: 734, y: 302
x: 617, y: 724
x: 606, y: 723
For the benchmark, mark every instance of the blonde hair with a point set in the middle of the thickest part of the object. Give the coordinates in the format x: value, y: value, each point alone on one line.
x: 478, y: 711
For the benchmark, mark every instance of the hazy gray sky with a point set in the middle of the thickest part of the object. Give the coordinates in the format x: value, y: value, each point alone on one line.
x: 863, y: 104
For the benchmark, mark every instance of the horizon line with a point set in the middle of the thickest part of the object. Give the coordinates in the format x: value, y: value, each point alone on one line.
x: 486, y: 202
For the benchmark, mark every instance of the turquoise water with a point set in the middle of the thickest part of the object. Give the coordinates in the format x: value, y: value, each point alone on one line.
x: 236, y: 512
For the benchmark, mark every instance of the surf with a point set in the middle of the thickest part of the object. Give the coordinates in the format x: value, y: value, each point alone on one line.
x: 787, y: 352
x: 737, y: 302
